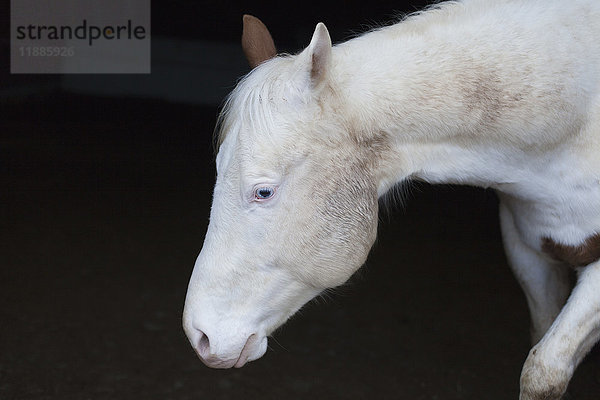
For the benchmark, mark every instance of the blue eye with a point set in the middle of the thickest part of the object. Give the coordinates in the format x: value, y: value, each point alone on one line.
x: 264, y: 193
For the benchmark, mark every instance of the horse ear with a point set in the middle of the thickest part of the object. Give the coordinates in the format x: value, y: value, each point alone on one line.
x: 319, y: 51
x: 257, y: 42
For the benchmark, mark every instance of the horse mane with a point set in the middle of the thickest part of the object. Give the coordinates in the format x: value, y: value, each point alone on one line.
x: 248, y: 103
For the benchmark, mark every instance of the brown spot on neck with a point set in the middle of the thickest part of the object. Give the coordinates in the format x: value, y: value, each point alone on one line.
x: 576, y: 256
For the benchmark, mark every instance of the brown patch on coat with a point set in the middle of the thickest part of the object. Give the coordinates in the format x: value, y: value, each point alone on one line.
x: 486, y: 97
x: 576, y: 256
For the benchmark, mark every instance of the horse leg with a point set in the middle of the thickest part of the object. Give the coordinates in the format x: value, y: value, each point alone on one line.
x: 546, y: 284
x: 553, y: 360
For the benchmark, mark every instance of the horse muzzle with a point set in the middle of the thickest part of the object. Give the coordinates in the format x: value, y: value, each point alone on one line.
x: 227, y: 350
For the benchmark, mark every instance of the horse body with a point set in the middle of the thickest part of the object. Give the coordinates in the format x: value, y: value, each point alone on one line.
x: 499, y: 94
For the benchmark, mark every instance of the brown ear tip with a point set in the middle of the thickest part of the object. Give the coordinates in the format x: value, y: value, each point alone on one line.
x: 246, y: 18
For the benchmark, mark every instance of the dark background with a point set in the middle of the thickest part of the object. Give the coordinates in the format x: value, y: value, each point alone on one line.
x: 104, y: 202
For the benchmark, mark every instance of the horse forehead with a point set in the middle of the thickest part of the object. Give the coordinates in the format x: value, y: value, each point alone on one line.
x: 247, y: 153
x: 272, y: 154
x: 280, y: 133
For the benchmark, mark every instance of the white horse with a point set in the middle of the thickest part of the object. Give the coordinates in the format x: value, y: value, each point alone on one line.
x: 502, y: 94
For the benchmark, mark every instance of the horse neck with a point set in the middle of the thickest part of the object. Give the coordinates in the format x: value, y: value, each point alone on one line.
x: 450, y: 115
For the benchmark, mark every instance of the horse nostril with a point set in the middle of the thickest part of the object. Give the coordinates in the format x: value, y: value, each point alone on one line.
x: 204, y: 345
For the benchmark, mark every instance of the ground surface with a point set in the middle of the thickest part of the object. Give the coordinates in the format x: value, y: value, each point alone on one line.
x: 104, y: 204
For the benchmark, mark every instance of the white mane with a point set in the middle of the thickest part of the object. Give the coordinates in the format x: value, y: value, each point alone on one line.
x: 256, y: 98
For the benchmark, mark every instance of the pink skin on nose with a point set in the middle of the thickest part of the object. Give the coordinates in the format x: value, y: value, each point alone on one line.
x: 251, y: 342
x: 211, y: 360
